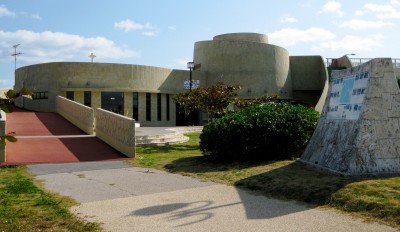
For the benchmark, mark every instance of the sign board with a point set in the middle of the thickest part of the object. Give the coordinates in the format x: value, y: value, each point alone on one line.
x: 195, y: 84
x: 347, y: 96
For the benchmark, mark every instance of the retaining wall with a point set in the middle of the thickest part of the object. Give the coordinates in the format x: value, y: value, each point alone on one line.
x: 116, y: 130
x: 78, y: 114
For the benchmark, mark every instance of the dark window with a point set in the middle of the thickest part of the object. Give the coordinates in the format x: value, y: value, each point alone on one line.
x: 87, y: 98
x: 159, y: 106
x: 70, y: 95
x: 40, y: 95
x: 135, y: 106
x: 148, y: 106
x: 113, y: 101
x: 167, y: 107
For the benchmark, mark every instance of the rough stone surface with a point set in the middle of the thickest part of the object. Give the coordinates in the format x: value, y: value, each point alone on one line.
x: 369, y: 144
x: 116, y: 130
x: 78, y: 114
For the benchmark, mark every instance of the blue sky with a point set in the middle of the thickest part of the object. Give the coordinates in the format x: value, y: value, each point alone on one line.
x: 163, y: 33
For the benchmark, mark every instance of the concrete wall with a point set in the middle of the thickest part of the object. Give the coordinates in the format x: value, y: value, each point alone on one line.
x: 309, y: 77
x: 343, y: 61
x: 241, y: 59
x: 244, y: 59
x: 78, y: 114
x: 3, y: 132
x: 59, y: 77
x: 247, y: 37
x: 368, y: 143
x: 116, y: 130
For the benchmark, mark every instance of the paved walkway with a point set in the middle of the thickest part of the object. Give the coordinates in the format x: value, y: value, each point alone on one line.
x: 125, y: 198
x: 49, y: 138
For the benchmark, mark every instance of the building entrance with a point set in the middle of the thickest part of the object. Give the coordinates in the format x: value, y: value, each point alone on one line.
x: 113, y: 101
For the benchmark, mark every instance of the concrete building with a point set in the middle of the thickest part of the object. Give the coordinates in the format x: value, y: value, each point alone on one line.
x: 145, y: 93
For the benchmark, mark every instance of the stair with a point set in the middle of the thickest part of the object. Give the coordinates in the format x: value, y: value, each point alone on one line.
x: 169, y: 136
x: 160, y: 140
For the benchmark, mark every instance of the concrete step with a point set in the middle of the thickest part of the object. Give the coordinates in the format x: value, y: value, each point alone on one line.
x: 168, y: 136
x: 158, y: 140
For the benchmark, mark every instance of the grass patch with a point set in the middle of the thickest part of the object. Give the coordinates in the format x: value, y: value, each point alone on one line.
x: 26, y: 207
x: 374, y: 198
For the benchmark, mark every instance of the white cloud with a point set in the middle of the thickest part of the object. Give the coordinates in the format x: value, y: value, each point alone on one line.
x: 287, y: 19
x: 332, y: 7
x: 356, y: 24
x: 129, y: 25
x: 395, y: 2
x: 172, y: 27
x: 354, y: 43
x: 38, y: 47
x: 5, y: 12
x: 383, y: 11
x: 291, y: 36
x: 359, y: 13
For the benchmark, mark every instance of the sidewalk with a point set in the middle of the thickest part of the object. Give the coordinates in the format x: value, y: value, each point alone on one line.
x: 125, y: 198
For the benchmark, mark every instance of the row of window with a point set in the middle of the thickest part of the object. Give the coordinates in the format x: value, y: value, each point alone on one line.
x: 114, y: 102
x: 40, y: 95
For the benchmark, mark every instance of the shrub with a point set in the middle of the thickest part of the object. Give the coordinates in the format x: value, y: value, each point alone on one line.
x: 273, y: 131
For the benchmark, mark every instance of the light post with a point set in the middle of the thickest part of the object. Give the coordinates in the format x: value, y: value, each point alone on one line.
x: 190, y: 66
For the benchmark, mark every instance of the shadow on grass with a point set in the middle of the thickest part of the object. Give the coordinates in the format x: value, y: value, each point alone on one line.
x: 283, y: 180
x: 297, y: 181
x: 203, y: 164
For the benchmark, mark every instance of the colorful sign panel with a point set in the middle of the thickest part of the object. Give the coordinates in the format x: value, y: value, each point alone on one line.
x: 347, y: 96
x: 195, y: 84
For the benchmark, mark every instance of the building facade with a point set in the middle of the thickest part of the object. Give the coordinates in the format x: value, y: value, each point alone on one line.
x: 145, y: 93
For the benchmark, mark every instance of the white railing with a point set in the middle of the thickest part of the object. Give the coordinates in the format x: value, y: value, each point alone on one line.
x: 358, y: 61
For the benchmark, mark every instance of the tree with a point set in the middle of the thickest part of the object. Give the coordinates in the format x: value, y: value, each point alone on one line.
x: 213, y: 99
x: 6, y: 105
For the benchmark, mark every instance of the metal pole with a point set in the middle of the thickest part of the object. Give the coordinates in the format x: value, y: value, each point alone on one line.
x: 190, y: 80
x: 15, y: 55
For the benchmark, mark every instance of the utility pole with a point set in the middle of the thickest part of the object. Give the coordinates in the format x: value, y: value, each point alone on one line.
x: 15, y: 55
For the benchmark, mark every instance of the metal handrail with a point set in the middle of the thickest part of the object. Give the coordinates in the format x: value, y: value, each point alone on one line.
x: 358, y: 61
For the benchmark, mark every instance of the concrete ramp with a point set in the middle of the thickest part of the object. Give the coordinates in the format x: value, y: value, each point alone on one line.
x: 49, y: 138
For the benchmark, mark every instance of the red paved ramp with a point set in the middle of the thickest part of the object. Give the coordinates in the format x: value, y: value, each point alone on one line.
x: 49, y: 138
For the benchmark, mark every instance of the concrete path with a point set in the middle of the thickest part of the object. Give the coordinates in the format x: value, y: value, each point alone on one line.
x: 126, y: 198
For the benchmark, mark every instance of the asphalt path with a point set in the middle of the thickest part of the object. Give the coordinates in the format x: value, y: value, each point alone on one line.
x: 126, y: 198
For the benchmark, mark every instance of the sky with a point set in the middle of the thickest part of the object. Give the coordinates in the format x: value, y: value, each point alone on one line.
x: 162, y: 33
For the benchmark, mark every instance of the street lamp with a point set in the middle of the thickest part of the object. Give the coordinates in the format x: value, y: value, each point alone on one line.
x: 190, y: 66
x: 351, y: 54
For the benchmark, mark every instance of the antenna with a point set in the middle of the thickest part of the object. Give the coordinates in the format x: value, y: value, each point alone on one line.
x: 15, y: 55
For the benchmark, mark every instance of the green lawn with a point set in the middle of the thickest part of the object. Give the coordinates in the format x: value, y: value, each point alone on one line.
x: 25, y: 206
x: 377, y: 198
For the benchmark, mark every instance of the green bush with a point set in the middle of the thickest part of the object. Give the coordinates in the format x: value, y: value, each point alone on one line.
x: 273, y: 131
